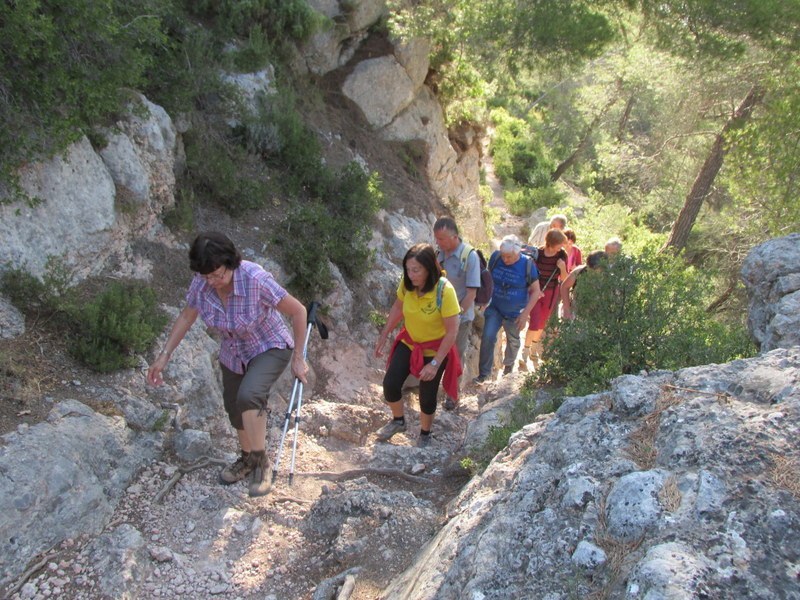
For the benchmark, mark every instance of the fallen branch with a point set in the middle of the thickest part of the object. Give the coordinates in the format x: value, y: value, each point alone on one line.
x: 205, y: 461
x: 290, y: 499
x: 353, y: 473
x: 30, y: 572
x: 720, y: 395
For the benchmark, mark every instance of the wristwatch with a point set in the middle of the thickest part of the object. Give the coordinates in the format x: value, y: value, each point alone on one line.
x: 434, y: 362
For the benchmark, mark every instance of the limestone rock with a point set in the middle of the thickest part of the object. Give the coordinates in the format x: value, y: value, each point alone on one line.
x: 414, y: 56
x: 771, y: 273
x: 12, y: 322
x: 83, y: 462
x: 191, y: 444
x: 120, y: 559
x: 73, y: 218
x: 567, y: 493
x: 381, y: 88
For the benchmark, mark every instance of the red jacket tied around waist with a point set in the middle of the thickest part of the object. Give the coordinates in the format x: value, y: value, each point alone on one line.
x: 452, y: 369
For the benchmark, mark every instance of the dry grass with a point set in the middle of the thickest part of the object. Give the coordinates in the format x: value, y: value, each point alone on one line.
x: 618, y: 554
x: 785, y: 473
x: 642, y: 440
x: 669, y: 495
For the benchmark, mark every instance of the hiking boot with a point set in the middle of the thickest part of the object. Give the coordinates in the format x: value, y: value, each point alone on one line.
x: 450, y: 404
x: 237, y: 470
x: 480, y: 379
x: 260, y: 481
x: 508, y: 369
x: 523, y: 365
x: 424, y: 440
x: 386, y: 432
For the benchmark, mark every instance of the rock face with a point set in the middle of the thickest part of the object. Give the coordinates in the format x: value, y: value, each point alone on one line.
x: 772, y: 275
x: 62, y: 478
x: 74, y: 215
x: 689, y: 491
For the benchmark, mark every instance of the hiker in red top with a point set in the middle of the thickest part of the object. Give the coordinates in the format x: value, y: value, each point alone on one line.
x: 425, y: 347
x: 552, y: 265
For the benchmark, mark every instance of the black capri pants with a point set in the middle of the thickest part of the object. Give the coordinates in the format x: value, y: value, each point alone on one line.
x: 251, y: 390
x: 398, y: 371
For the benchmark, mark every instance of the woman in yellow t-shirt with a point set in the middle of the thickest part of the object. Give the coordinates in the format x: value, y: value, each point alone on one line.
x: 425, y: 346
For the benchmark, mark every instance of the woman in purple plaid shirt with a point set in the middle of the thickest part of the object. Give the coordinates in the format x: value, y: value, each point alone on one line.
x: 241, y: 302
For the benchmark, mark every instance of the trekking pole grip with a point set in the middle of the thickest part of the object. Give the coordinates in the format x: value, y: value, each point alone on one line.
x: 312, y: 312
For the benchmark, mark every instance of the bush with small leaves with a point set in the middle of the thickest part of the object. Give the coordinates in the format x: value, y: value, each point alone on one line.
x: 122, y: 320
x: 638, y: 314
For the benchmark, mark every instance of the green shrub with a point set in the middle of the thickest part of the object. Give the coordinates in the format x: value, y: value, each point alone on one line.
x: 523, y: 201
x: 279, y: 135
x: 25, y: 291
x: 282, y: 20
x: 336, y: 228
x: 638, y: 314
x: 65, y: 67
x: 120, y: 321
x: 221, y: 171
x: 520, y: 156
x: 255, y: 53
x: 181, y: 216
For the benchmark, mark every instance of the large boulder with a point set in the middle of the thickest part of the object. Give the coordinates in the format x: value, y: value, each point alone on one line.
x: 72, y: 216
x: 62, y: 478
x: 74, y: 197
x: 696, y: 498
x: 381, y: 87
x: 771, y: 273
x: 140, y: 155
x: 335, y: 43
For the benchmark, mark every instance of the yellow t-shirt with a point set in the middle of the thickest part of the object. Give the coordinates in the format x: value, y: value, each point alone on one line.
x: 423, y: 320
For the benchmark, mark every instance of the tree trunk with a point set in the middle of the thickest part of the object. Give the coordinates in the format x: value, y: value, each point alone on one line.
x: 626, y: 114
x: 708, y: 173
x: 572, y: 158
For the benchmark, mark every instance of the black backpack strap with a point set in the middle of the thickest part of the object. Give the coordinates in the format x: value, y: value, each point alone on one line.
x: 493, y: 260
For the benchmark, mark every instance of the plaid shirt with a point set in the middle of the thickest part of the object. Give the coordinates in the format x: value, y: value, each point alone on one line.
x: 250, y: 324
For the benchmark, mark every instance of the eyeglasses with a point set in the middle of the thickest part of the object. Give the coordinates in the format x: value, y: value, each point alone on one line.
x: 215, y: 276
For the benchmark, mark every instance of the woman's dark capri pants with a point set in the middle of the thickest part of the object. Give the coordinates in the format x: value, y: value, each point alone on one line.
x: 251, y: 390
x: 398, y: 371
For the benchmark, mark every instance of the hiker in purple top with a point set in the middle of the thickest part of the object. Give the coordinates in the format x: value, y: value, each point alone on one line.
x: 242, y: 303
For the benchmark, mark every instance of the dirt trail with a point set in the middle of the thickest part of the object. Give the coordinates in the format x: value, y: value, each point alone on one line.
x: 200, y: 539
x: 508, y: 224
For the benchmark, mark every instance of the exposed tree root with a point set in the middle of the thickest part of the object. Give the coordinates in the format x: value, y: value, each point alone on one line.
x: 204, y: 461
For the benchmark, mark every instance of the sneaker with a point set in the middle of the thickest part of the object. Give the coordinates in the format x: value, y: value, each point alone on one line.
x: 523, y: 365
x: 260, y: 481
x: 450, y: 404
x: 237, y: 470
x: 423, y: 441
x: 386, y: 432
x: 480, y: 379
x: 508, y: 369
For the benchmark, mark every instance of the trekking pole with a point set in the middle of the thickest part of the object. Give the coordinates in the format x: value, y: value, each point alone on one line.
x: 297, y: 392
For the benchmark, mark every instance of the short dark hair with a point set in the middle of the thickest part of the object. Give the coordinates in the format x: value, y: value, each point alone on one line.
x: 595, y: 259
x: 446, y: 223
x: 570, y: 235
x: 554, y: 237
x: 425, y: 255
x: 212, y: 250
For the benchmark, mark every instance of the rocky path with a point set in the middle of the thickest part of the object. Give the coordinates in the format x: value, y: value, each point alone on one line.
x: 178, y: 533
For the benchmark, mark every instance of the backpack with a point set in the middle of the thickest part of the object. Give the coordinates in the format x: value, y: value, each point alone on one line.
x: 532, y: 252
x: 531, y: 262
x: 484, y: 294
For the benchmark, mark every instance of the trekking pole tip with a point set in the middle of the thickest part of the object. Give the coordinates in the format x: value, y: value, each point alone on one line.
x: 291, y: 478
